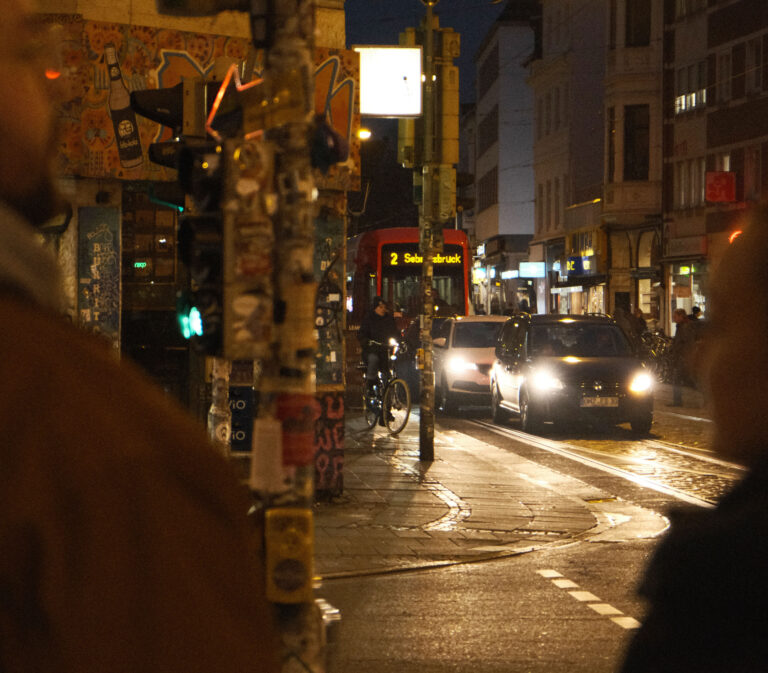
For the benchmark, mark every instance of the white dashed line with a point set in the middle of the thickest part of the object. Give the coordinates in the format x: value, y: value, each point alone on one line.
x: 592, y: 601
x: 584, y: 596
x: 605, y: 609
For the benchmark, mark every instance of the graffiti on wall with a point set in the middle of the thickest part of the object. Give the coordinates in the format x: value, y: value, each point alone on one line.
x: 329, y: 445
x: 98, y: 295
x: 103, y: 62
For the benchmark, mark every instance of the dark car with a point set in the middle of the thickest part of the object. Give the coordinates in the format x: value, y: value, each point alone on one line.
x: 566, y: 368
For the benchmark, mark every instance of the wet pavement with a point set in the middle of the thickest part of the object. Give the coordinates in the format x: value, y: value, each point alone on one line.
x: 474, y: 501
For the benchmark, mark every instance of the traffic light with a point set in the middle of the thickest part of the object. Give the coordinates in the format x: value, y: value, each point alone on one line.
x: 200, y: 307
x: 199, y: 163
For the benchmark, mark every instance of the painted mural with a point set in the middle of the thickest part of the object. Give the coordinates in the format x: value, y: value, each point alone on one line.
x: 103, y: 62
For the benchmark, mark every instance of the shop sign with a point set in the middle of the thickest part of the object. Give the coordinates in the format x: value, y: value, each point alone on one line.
x: 687, y: 245
x: 720, y: 187
x: 575, y: 266
x: 531, y: 270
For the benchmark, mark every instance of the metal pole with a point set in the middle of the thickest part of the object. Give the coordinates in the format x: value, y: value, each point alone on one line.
x: 427, y: 401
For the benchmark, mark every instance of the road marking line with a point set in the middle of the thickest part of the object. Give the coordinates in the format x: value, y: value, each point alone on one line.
x: 592, y: 601
x: 605, y: 609
x: 626, y: 622
x: 584, y: 596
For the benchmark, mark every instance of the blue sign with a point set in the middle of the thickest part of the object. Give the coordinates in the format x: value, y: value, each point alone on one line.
x: 575, y: 266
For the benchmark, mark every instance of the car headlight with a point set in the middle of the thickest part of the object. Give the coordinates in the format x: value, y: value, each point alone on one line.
x: 458, y: 364
x: 642, y: 382
x: 546, y: 381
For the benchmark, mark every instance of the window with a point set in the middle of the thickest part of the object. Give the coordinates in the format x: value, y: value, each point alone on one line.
x: 540, y: 209
x: 723, y: 162
x: 556, y: 203
x: 488, y: 131
x: 689, y: 183
x: 487, y: 192
x: 539, y: 117
x: 636, y: 142
x: 489, y: 72
x: 611, y: 143
x: 751, y: 174
x: 548, y: 214
x: 638, y: 23
x: 690, y: 87
x: 724, y: 77
x: 754, y: 65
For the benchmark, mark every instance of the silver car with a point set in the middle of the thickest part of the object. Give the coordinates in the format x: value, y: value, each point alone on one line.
x: 462, y: 356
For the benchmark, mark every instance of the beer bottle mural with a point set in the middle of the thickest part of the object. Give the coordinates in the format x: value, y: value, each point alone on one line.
x: 123, y: 118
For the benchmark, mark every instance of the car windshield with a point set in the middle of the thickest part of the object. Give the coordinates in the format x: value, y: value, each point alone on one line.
x: 578, y: 340
x: 476, y: 334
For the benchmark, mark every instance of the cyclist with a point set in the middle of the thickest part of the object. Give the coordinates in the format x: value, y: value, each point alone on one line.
x: 376, y: 329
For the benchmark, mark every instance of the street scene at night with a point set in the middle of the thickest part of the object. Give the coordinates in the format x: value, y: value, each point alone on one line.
x: 397, y: 336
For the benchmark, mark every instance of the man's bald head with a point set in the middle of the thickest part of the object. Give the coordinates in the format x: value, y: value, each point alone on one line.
x: 27, y: 120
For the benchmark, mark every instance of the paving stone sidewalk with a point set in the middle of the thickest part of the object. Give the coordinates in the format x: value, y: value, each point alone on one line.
x: 473, y: 501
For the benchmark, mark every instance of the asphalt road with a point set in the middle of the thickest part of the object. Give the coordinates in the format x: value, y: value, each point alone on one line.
x: 566, y: 608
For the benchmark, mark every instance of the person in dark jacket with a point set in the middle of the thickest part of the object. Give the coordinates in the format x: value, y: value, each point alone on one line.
x: 125, y: 539
x: 707, y: 585
x: 376, y: 329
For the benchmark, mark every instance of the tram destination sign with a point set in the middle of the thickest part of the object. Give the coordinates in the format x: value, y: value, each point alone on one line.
x: 407, y: 255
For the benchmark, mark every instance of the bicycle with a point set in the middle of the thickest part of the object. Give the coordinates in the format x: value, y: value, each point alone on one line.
x: 389, y: 401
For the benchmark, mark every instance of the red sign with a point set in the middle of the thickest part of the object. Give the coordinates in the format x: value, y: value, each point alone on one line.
x: 721, y: 187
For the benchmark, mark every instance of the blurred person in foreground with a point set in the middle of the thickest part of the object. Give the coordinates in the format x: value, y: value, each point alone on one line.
x: 126, y: 544
x: 707, y: 583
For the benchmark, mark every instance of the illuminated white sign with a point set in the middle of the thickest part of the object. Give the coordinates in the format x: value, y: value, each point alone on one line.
x: 532, y: 270
x: 390, y: 81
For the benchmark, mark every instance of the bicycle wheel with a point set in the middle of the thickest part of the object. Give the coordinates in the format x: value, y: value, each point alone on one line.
x: 371, y: 407
x: 397, y: 405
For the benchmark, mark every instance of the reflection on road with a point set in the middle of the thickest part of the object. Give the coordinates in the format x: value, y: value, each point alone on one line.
x: 677, y: 458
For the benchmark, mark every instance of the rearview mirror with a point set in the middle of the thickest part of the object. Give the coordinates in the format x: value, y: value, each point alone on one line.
x: 439, y: 342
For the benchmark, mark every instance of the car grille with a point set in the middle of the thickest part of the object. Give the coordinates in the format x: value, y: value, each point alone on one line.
x: 484, y: 369
x: 599, y: 387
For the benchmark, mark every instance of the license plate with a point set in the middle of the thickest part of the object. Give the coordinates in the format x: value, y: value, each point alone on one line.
x: 599, y: 401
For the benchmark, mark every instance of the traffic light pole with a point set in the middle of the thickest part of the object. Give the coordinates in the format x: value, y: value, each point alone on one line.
x: 427, y: 244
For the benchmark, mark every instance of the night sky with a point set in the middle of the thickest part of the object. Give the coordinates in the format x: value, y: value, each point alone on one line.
x: 382, y: 21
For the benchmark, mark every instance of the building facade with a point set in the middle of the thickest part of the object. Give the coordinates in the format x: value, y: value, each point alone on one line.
x: 567, y: 82
x: 119, y: 246
x: 631, y: 208
x: 504, y: 208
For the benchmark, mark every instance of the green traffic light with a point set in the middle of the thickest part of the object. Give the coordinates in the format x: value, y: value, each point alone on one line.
x: 191, y: 323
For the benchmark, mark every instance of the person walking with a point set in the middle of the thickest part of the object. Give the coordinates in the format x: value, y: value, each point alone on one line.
x: 681, y: 352
x: 706, y: 584
x: 125, y: 537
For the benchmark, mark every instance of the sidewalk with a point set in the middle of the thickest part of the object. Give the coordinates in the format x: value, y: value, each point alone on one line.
x: 474, y: 501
